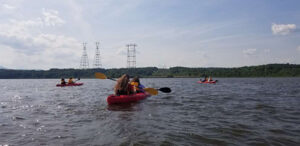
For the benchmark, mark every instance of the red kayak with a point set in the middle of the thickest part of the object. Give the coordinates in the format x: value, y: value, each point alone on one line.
x: 113, y: 99
x: 207, y: 82
x: 74, y: 84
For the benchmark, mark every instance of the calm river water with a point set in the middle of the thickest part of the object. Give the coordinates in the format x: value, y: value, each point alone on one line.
x: 235, y: 111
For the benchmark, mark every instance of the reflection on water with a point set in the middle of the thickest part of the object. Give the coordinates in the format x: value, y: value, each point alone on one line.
x: 123, y: 107
x: 235, y: 111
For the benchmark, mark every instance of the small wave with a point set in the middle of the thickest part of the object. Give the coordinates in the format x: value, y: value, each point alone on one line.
x: 16, y: 118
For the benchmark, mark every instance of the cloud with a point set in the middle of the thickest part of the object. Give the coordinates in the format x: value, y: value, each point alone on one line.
x: 26, y: 35
x: 8, y: 7
x: 51, y: 18
x: 285, y: 60
x: 250, y: 51
x: 25, y: 44
x: 48, y: 50
x: 267, y: 50
x: 7, y: 10
x: 122, y: 51
x: 298, y: 49
x: 283, y: 29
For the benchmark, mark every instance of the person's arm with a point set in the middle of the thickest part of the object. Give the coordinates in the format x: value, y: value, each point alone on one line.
x: 141, y: 86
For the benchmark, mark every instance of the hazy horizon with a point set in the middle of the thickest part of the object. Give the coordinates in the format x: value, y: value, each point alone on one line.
x: 196, y: 33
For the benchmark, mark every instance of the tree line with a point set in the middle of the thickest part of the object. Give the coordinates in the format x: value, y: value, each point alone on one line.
x: 270, y: 70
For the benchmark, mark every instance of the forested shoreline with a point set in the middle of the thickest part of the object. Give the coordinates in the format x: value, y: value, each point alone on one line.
x: 270, y: 70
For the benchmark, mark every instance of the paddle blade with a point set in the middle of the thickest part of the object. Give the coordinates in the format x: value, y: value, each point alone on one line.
x: 99, y: 75
x: 152, y: 91
x: 165, y: 89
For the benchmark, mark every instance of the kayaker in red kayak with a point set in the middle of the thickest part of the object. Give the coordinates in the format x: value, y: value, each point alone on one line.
x: 138, y: 87
x: 210, y: 79
x: 205, y: 79
x: 62, y: 81
x: 123, y: 87
x: 71, y: 81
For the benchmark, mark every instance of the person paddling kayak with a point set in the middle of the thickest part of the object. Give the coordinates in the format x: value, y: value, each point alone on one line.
x: 70, y: 81
x: 205, y: 79
x: 124, y: 91
x: 123, y: 87
x: 62, y: 81
x: 210, y: 79
x: 138, y: 87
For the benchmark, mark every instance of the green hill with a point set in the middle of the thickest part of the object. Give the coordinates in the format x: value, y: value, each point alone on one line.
x: 270, y: 70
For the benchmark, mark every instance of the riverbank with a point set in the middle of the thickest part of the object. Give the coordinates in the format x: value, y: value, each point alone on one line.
x: 270, y: 70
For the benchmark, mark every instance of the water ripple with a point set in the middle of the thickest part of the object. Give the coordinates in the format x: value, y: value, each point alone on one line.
x: 235, y: 111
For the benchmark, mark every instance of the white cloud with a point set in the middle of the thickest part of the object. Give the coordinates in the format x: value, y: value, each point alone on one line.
x: 8, y: 7
x: 283, y: 29
x: 122, y: 51
x: 285, y: 60
x: 51, y: 18
x: 267, y: 50
x: 54, y: 51
x: 7, y: 10
x: 250, y: 51
x: 298, y: 48
x: 25, y: 45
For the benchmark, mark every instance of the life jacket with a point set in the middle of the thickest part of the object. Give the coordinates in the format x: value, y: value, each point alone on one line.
x: 138, y: 88
x: 70, y: 81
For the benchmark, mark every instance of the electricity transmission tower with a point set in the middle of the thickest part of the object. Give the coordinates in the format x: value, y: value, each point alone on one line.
x: 84, y: 62
x: 97, y: 61
x: 131, y: 57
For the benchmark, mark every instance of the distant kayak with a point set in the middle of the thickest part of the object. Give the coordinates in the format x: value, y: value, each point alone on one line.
x: 207, y: 82
x: 74, y: 84
x: 113, y: 99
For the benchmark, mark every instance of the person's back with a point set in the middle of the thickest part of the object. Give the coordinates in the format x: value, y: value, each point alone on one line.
x: 62, y: 81
x: 123, y: 87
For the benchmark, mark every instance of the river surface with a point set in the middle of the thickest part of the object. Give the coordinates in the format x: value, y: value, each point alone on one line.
x: 235, y: 111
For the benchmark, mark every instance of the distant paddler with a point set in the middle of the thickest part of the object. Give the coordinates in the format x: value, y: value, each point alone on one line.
x: 70, y: 81
x: 62, y: 81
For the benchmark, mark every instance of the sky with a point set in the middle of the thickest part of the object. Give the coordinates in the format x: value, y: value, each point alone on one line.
x: 47, y: 34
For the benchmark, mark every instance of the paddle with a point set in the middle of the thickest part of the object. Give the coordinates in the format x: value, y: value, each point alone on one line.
x: 102, y: 76
x: 152, y: 91
x: 165, y: 89
x: 77, y: 80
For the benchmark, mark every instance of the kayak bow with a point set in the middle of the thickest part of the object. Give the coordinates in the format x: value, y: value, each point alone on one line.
x: 113, y: 99
x: 207, y: 82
